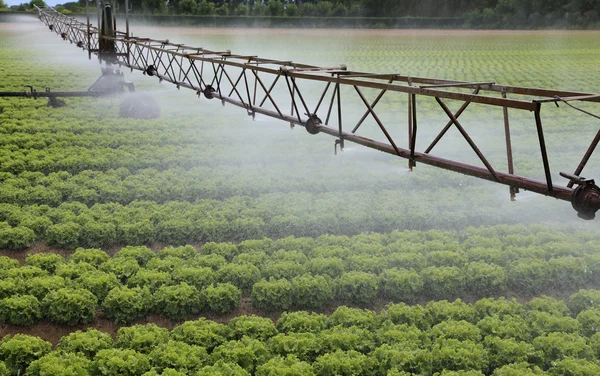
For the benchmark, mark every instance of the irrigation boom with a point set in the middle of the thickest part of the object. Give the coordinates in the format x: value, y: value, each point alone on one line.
x: 272, y: 88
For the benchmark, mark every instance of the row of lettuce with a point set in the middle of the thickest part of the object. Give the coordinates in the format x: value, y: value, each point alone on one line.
x: 277, y: 215
x: 490, y: 337
x: 294, y: 273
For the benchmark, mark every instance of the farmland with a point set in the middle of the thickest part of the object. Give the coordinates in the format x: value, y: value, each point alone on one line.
x: 205, y: 243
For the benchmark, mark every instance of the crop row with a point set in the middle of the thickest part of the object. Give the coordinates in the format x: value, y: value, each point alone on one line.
x: 490, y: 337
x: 123, y: 186
x: 290, y: 273
x: 279, y: 215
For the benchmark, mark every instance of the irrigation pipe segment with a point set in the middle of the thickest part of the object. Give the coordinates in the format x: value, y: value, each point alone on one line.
x: 272, y: 88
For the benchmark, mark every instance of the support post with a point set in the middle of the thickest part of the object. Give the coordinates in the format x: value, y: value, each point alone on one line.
x: 509, y: 156
x: 540, y: 132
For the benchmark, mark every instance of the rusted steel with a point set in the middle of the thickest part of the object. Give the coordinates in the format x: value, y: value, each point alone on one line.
x: 586, y: 157
x: 540, y: 132
x: 509, y: 156
x: 467, y: 137
x: 178, y: 64
x: 449, y: 124
x: 381, y: 126
x: 366, y: 114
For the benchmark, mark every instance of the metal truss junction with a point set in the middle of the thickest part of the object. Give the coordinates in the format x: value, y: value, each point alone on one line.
x: 272, y: 88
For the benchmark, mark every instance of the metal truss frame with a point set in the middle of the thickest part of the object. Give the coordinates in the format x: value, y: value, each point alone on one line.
x: 251, y: 82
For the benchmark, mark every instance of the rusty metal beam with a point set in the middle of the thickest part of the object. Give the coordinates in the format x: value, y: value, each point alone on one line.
x: 177, y: 63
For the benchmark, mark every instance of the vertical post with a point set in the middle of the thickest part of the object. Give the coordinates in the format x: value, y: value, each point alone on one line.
x: 509, y: 156
x: 113, y: 6
x: 410, y: 123
x: 87, y: 14
x: 339, y: 108
x: 293, y: 103
x: 127, y: 31
x: 127, y: 23
x: 540, y: 131
x: 413, y: 101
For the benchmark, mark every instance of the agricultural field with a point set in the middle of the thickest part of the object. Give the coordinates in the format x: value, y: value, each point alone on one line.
x: 206, y: 243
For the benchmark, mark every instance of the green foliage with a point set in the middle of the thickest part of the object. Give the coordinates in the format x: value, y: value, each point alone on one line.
x: 19, y: 351
x: 457, y: 310
x: 289, y: 365
x: 548, y: 304
x: 9, y: 287
x: 99, y: 283
x: 443, y: 282
x: 345, y: 339
x: 141, y: 253
x: 311, y: 292
x: 70, y: 306
x: 19, y: 237
x: 60, y: 364
x: 558, y: 346
x: 141, y: 338
x: 184, y: 252
x: 151, y: 279
x: 518, y: 369
x: 404, y: 314
x: 8, y: 263
x: 226, y: 250
x: 248, y: 353
x: 305, y: 346
x: 501, y: 352
x: 507, y: 326
x: 194, y: 276
x: 530, y: 276
x: 589, y: 321
x: 222, y: 368
x: 574, y: 367
x: 41, y: 286
x: 582, y: 300
x: 25, y: 272
x: 272, y: 295
x: 86, y: 343
x: 301, y: 322
x: 242, y: 275
x: 357, y: 288
x: 455, y: 355
x: 253, y: 326
x: 178, y: 302
x: 92, y: 256
x: 349, y: 317
x: 63, y: 235
x: 73, y: 270
x: 123, y: 304
x: 178, y: 355
x: 484, y: 279
x: 123, y: 268
x: 342, y: 363
x: 46, y: 261
x: 20, y: 310
x: 452, y: 329
x: 282, y: 270
x: 215, y: 262
x: 401, y: 285
x: 329, y: 266
x: 125, y: 362
x: 201, y: 332
x: 223, y: 298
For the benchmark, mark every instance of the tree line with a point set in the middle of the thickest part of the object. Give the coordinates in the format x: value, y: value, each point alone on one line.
x: 476, y: 13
